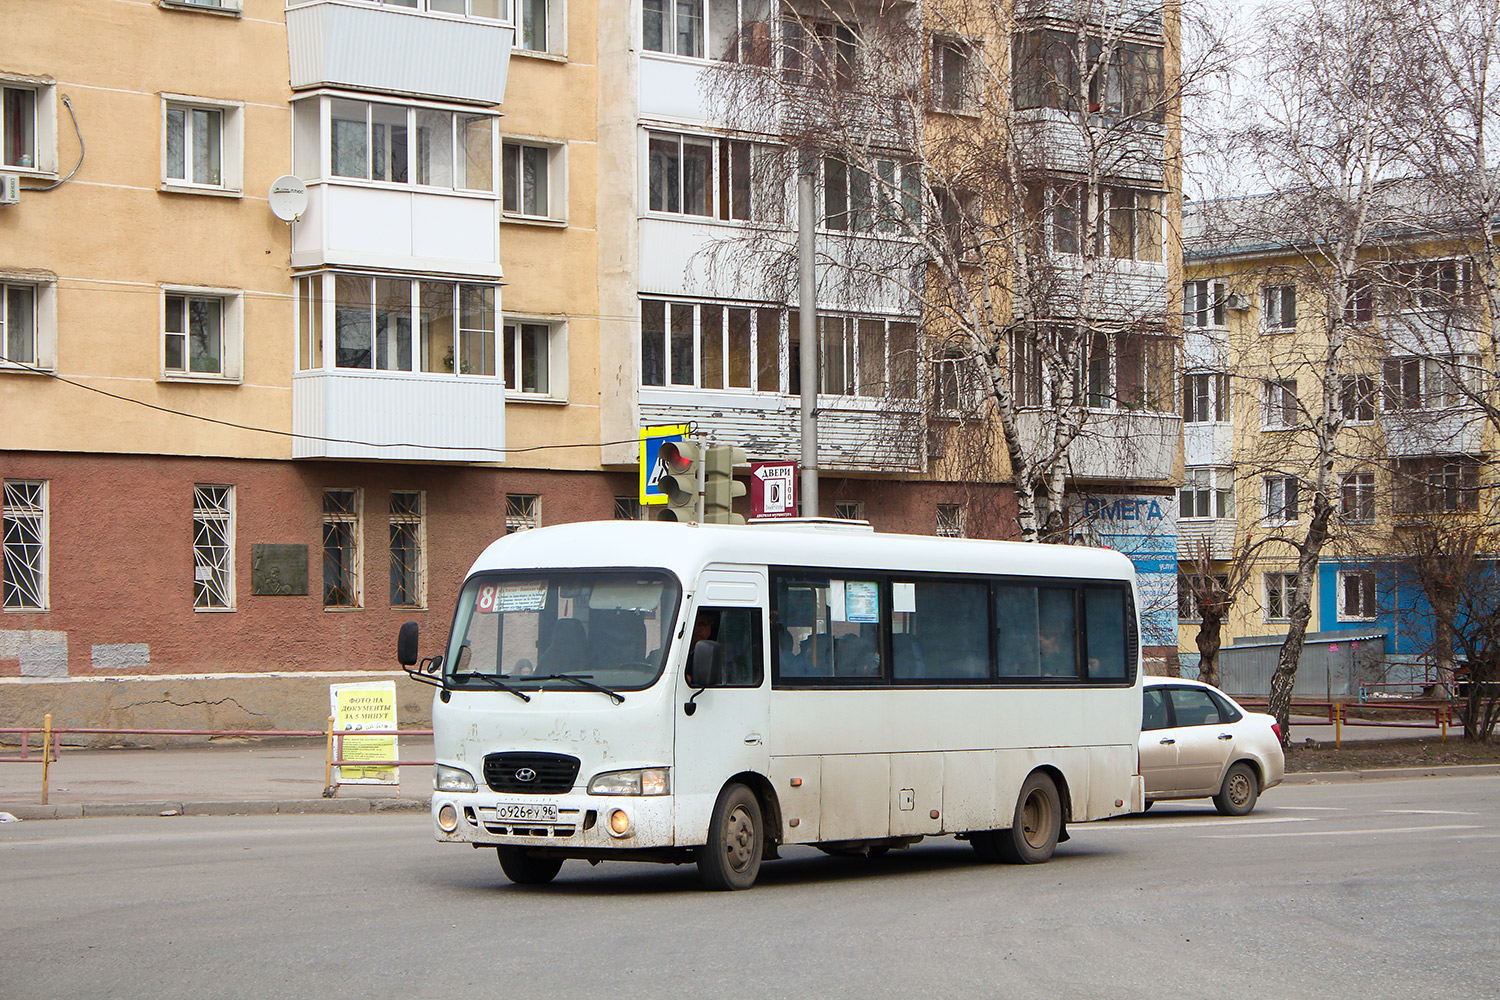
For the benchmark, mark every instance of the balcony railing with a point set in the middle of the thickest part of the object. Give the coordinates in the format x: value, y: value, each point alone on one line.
x: 398, y: 416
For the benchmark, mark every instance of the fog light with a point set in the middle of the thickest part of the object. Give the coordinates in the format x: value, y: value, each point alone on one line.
x: 447, y: 818
x: 619, y: 822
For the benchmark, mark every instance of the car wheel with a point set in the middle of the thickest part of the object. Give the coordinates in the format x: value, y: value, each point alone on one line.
x: 523, y: 869
x: 1240, y: 790
x: 731, y: 858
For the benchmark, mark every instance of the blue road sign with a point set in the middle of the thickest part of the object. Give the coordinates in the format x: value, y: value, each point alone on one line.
x: 652, y: 438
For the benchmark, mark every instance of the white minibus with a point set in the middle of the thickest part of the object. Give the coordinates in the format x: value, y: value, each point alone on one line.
x: 699, y: 693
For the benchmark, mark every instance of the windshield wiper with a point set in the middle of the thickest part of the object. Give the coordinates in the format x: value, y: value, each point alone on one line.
x: 494, y: 681
x: 582, y: 681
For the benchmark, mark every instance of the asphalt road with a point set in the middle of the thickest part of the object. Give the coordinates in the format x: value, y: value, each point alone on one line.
x: 1382, y: 889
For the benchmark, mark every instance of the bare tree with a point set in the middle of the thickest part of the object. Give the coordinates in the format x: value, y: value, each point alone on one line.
x: 1208, y: 585
x: 1323, y: 131
x: 999, y: 173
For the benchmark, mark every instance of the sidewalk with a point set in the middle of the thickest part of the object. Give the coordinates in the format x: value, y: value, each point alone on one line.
x: 286, y: 777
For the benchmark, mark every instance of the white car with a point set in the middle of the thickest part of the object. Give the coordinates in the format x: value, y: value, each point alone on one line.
x: 1196, y: 742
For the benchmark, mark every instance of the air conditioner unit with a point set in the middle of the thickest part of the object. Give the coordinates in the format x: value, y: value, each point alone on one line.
x: 10, y: 189
x: 1237, y: 302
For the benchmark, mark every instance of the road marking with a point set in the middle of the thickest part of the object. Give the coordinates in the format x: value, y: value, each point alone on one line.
x: 1429, y: 812
x: 1345, y: 833
x: 1147, y: 824
x: 1324, y: 809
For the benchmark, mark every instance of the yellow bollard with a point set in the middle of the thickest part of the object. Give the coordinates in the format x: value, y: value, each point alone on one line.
x: 1443, y: 722
x: 1338, y: 725
x: 329, y: 788
x: 46, y: 752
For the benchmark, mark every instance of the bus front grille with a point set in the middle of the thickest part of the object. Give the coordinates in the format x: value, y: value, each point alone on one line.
x: 530, y: 773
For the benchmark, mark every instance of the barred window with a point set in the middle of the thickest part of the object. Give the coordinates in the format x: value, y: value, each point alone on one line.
x: 851, y: 511
x: 1281, y: 589
x: 25, y: 551
x: 408, y: 550
x: 522, y: 511
x: 627, y: 509
x: 341, y: 534
x: 213, y: 548
x: 950, y: 520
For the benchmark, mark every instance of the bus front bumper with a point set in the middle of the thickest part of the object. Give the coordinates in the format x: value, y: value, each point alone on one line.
x: 569, y: 822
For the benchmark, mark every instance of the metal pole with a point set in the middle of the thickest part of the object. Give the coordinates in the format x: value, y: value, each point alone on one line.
x: 703, y: 447
x: 329, y: 788
x: 46, y: 752
x: 807, y: 312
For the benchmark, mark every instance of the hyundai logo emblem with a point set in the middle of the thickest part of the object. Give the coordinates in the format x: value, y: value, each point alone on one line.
x: 525, y: 774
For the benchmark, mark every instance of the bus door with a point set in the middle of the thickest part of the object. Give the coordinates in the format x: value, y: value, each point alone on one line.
x: 726, y: 733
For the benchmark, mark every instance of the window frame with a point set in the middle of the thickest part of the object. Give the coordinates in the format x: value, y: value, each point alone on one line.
x: 1357, y: 497
x: 1210, y: 487
x: 402, y: 520
x: 39, y: 515
x: 523, y: 512
x: 554, y: 24
x: 1280, y: 397
x: 1276, y: 302
x: 1284, y: 593
x: 670, y: 32
x: 1288, y: 508
x: 205, y: 571
x: 556, y: 173
x: 1357, y: 395
x: 1439, y: 484
x: 1205, y: 393
x: 231, y: 334
x: 43, y: 340
x: 43, y: 126
x: 950, y: 520
x: 231, y: 181
x: 1368, y: 593
x: 351, y: 560
x: 1205, y: 304
x: 313, y: 121
x: 554, y: 358
x: 965, y: 100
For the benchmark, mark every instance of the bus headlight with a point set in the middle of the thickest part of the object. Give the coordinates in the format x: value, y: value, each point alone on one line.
x: 451, y: 779
x: 447, y: 818
x: 644, y: 781
x: 619, y: 823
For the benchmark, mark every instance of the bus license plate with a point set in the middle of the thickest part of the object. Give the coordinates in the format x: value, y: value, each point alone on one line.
x: 526, y: 812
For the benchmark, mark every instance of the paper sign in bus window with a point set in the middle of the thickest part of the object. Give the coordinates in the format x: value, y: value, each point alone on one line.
x: 513, y: 597
x: 903, y: 597
x: 861, y: 602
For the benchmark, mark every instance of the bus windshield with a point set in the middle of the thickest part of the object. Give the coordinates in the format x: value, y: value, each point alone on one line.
x: 608, y: 626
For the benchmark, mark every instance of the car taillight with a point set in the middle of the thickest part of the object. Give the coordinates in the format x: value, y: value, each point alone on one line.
x: 1275, y: 728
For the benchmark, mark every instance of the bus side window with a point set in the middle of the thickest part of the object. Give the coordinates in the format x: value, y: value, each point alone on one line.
x: 1104, y: 613
x: 738, y: 631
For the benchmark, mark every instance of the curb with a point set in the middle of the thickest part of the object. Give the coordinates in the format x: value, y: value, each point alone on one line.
x: 259, y: 807
x: 1391, y: 774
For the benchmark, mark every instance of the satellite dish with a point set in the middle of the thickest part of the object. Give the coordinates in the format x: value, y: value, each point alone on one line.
x: 288, y: 198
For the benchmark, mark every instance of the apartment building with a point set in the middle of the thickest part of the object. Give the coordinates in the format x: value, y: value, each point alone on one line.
x: 235, y: 445
x: 1398, y: 413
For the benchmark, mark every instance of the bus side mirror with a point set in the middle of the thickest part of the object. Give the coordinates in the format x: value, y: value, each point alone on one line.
x: 406, y: 644
x: 706, y: 668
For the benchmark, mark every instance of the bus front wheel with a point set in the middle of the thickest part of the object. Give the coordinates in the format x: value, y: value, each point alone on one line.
x: 523, y: 869
x: 1034, y: 829
x: 731, y: 858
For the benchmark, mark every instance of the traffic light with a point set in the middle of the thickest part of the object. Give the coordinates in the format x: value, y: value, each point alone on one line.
x: 681, y: 480
x: 719, y: 487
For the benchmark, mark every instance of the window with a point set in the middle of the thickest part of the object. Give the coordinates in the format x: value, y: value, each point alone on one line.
x: 1278, y: 305
x: 397, y: 324
x: 217, y: 6
x: 1207, y: 492
x: 950, y: 520
x: 1433, y: 383
x: 201, y: 144
x: 627, y: 509
x: 953, y: 84
x: 738, y: 630
x: 18, y: 325
x: 1430, y: 284
x: 20, y: 123
x: 888, y: 201
x: 939, y: 630
x: 213, y: 548
x: 25, y: 545
x: 1025, y: 360
x: 1357, y: 398
x: 1281, y: 499
x: 1133, y: 227
x: 532, y: 19
x: 727, y: 179
x: 1123, y: 79
x: 341, y: 548
x: 819, y: 53
x: 1195, y: 592
x: 1204, y: 304
x: 680, y: 174
x: 672, y: 26
x: 1130, y: 371
x: 1280, y: 411
x: 1357, y: 498
x: 408, y: 549
x: 397, y: 144
x: 200, y: 333
x: 1205, y: 398
x: 1281, y: 590
x: 1037, y: 631
x: 522, y: 511
x: 470, y: 8
x: 1359, y: 301
x: 853, y: 510
x: 1439, y: 485
x: 528, y: 354
x: 527, y: 179
x: 952, y: 382
x: 1356, y: 595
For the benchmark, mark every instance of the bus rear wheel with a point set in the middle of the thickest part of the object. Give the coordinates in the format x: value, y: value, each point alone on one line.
x: 1034, y: 829
x: 523, y: 869
x: 731, y: 858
